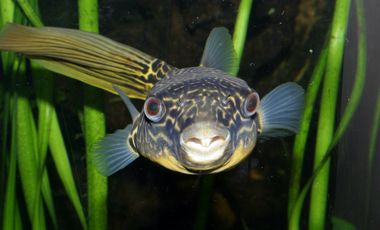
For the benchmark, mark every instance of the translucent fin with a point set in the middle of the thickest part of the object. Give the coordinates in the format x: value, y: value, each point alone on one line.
x: 280, y: 111
x: 219, y: 52
x: 114, y: 152
x: 131, y: 108
x: 87, y: 57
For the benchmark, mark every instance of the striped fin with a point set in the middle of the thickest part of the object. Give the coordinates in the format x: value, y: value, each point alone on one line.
x: 87, y: 57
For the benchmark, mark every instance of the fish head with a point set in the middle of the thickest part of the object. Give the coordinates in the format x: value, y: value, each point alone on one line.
x: 206, y: 121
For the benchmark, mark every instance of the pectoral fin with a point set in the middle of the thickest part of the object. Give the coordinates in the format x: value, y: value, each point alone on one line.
x: 219, y: 52
x: 280, y: 111
x: 114, y: 152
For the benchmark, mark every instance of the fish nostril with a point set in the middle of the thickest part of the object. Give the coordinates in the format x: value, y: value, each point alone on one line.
x: 217, y: 138
x: 194, y: 140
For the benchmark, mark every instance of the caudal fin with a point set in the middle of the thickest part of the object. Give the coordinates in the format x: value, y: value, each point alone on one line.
x: 280, y: 111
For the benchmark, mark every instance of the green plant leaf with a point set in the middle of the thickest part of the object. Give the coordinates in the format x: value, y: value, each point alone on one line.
x: 327, y: 113
x: 341, y: 224
x: 240, y: 31
x: 62, y: 164
x: 301, y: 137
x: 9, y: 209
x: 27, y: 152
x: 94, y: 129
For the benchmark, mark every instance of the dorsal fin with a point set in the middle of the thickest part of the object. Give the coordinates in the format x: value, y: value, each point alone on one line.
x: 87, y: 57
x: 219, y: 52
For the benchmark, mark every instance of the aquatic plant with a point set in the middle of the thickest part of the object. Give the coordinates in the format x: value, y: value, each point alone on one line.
x: 327, y: 136
x: 28, y: 145
x: 94, y: 129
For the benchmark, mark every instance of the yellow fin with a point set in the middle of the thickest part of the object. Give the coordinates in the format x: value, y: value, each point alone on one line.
x: 87, y: 57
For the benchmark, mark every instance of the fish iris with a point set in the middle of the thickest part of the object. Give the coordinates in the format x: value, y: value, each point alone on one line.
x: 153, y: 108
x: 251, y: 104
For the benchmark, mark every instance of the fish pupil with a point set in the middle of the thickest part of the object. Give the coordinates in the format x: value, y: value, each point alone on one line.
x: 153, y: 107
x: 251, y: 104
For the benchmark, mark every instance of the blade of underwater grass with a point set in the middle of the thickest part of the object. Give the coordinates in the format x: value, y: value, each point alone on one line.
x: 341, y: 224
x: 327, y: 113
x: 94, y: 129
x: 30, y: 10
x: 18, y: 223
x: 62, y: 164
x: 27, y: 149
x: 203, y: 206
x: 240, y: 31
x: 371, y: 157
x: 301, y: 137
x: 44, y: 92
x: 48, y: 120
x: 6, y: 15
x: 347, y: 115
x: 9, y: 209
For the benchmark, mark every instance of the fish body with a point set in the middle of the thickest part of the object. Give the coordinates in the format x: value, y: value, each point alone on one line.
x: 194, y: 120
x: 203, y: 124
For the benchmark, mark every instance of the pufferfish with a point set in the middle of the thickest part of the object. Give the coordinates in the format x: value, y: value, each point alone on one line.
x: 195, y: 120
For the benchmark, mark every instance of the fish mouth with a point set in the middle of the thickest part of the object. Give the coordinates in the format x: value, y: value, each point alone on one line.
x: 204, y: 146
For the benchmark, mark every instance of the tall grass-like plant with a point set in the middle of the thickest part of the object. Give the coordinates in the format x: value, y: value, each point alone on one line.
x: 320, y: 175
x: 371, y: 157
x: 301, y: 137
x: 8, y: 161
x: 240, y: 30
x: 23, y: 149
x: 44, y: 92
x: 30, y: 142
x: 327, y: 114
x: 94, y: 129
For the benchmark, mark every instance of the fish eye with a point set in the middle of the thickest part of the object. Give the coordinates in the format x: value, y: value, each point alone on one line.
x: 251, y: 104
x: 154, y: 109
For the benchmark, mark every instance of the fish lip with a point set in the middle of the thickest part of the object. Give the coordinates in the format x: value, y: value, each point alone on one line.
x: 204, y: 146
